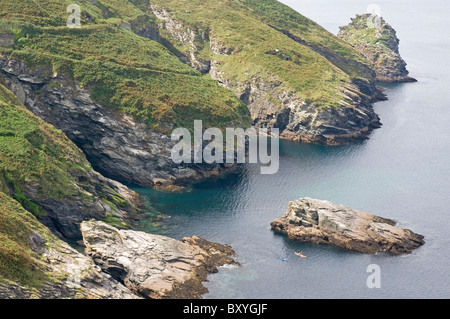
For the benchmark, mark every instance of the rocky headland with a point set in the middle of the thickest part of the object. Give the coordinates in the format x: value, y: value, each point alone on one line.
x: 374, y: 38
x: 322, y: 222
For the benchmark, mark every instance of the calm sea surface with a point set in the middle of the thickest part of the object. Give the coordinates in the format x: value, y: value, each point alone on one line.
x: 402, y: 172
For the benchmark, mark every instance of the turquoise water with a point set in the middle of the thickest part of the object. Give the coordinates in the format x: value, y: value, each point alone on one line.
x: 402, y: 172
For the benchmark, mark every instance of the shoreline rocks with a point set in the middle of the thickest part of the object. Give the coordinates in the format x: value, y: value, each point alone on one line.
x: 154, y: 266
x: 323, y: 222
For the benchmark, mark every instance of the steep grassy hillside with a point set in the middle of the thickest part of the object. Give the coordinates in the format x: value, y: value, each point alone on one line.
x: 123, y: 71
x: 17, y: 260
x: 32, y: 151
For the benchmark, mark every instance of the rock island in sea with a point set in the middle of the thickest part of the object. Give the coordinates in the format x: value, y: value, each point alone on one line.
x: 323, y: 222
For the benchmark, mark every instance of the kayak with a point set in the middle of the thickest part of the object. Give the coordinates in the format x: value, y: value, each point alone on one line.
x: 283, y: 259
x: 300, y: 255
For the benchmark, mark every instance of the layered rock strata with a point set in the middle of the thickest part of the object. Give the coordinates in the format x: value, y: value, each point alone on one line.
x: 154, y: 266
x: 323, y: 222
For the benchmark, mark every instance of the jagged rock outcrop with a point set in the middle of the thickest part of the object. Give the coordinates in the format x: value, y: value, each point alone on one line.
x: 115, y: 145
x: 36, y: 264
x: 323, y: 222
x: 78, y: 278
x: 189, y: 39
x: 373, y: 37
x: 63, y: 215
x: 154, y: 266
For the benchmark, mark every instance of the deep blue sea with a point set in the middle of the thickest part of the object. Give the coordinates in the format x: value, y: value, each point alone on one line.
x: 402, y: 172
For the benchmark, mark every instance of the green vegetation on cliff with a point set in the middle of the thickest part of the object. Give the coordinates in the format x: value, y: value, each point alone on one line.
x: 374, y: 38
x: 38, y: 160
x: 124, y: 71
x: 18, y: 262
x: 32, y: 151
x: 143, y: 78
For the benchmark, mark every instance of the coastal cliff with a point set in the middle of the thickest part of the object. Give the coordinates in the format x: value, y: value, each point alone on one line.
x: 291, y: 73
x: 117, y: 265
x: 115, y: 145
x: 36, y: 264
x: 169, y: 63
x: 374, y: 38
x: 86, y: 109
x: 50, y: 176
x: 323, y: 222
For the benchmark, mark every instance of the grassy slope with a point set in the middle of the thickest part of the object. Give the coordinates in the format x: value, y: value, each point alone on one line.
x: 18, y: 262
x: 32, y: 151
x: 252, y: 28
x: 122, y: 70
x: 284, y: 18
x: 35, y: 153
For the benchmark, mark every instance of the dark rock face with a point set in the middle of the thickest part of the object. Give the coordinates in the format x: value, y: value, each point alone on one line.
x: 116, y: 146
x: 63, y: 216
x: 92, y: 195
x: 373, y: 37
x: 323, y: 222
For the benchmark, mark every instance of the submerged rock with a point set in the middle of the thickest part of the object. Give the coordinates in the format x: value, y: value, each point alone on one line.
x: 154, y: 266
x: 374, y: 38
x: 323, y: 222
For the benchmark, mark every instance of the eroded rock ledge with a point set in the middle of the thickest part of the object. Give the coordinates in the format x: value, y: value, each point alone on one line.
x: 323, y: 222
x: 154, y: 266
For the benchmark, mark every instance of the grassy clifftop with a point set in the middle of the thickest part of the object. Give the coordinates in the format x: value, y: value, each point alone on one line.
x: 374, y: 38
x: 266, y: 39
x: 141, y: 77
x: 129, y: 73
